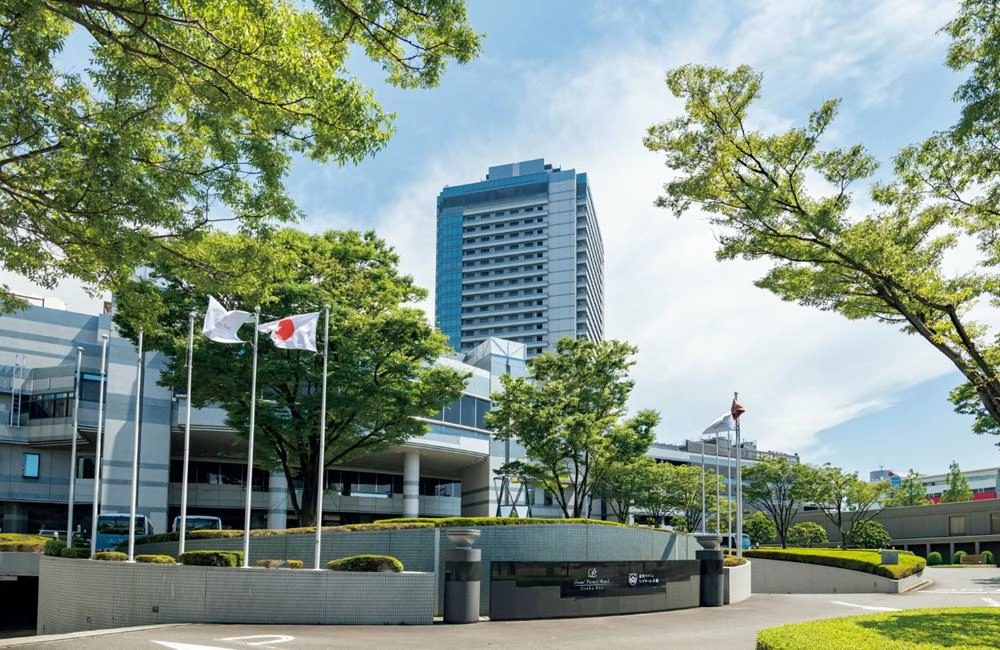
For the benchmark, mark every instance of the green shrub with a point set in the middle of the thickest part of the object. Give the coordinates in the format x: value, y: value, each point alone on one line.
x: 366, y: 563
x: 111, y: 556
x: 212, y: 558
x: 732, y: 560
x: 280, y: 564
x: 54, y: 547
x: 477, y: 522
x: 957, y: 557
x: 22, y: 547
x: 155, y: 559
x: 855, y: 560
x: 760, y: 528
x: 295, y: 564
x: 78, y: 553
x: 806, y: 534
x: 870, y: 534
x: 989, y: 557
x: 933, y: 558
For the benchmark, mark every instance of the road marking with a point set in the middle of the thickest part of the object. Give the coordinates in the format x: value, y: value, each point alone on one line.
x: 874, y: 609
x: 187, y: 646
x: 991, y: 602
x: 266, y: 639
x: 961, y: 592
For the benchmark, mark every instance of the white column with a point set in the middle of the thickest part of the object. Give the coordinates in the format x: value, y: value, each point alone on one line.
x: 277, y: 505
x: 411, y: 484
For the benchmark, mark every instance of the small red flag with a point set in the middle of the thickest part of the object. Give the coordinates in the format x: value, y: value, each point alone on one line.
x: 737, y: 410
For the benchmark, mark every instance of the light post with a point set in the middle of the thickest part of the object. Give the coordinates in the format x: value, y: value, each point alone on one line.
x: 72, y: 462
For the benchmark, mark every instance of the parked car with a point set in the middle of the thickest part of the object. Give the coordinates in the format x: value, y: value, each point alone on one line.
x: 729, y: 541
x: 58, y: 534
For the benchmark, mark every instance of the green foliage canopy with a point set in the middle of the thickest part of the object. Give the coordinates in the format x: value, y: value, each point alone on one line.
x: 806, y: 534
x: 381, y: 373
x: 958, y: 486
x: 569, y: 415
x: 911, y: 492
x: 786, y: 198
x: 778, y: 487
x: 845, y: 499
x: 759, y: 528
x: 187, y: 112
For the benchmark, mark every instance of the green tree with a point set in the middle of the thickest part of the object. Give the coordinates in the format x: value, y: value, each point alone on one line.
x: 807, y: 534
x: 870, y: 534
x: 381, y: 374
x: 188, y: 113
x: 569, y: 415
x: 777, y: 486
x: 958, y: 486
x: 759, y: 528
x: 911, y: 492
x: 684, y: 486
x: 845, y: 499
x: 629, y: 485
x: 655, y: 501
x: 887, y: 265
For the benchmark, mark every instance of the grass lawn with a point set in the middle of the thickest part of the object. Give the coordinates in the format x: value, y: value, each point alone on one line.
x: 970, y: 628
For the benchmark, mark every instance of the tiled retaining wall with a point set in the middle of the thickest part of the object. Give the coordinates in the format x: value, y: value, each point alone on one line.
x: 77, y: 595
x: 19, y: 564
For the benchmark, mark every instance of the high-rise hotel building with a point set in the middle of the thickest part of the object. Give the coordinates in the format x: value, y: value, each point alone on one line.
x: 519, y: 257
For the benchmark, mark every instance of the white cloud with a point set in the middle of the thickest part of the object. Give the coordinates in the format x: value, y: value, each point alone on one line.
x: 702, y: 328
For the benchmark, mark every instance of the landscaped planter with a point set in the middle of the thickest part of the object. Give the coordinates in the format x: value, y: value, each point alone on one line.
x: 77, y: 595
x: 736, y: 583
x: 782, y: 577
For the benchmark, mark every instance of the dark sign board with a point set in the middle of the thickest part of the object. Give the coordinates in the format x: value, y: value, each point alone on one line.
x: 563, y: 588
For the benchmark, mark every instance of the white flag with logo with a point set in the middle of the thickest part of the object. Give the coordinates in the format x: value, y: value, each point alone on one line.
x: 221, y: 325
x: 293, y: 333
x: 722, y: 425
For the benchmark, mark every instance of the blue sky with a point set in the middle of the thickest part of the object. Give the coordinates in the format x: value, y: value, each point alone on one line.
x: 577, y: 83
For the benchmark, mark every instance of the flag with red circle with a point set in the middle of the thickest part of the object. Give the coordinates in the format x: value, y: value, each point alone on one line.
x: 296, y: 332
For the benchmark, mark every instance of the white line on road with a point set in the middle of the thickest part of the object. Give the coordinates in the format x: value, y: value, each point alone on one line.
x: 187, y: 646
x: 960, y: 592
x: 261, y: 639
x: 991, y: 602
x: 875, y: 609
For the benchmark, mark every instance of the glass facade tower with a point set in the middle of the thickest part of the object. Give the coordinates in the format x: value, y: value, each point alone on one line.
x: 519, y: 257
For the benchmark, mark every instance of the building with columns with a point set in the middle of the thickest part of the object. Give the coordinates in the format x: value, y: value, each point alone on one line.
x: 447, y: 472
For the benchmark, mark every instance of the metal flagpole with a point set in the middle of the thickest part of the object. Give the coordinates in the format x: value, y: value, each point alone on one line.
x: 718, y: 497
x: 729, y: 481
x: 135, y: 456
x: 739, y: 486
x: 187, y: 437
x: 72, y: 453
x: 703, y: 484
x: 253, y: 413
x: 99, y: 451
x: 322, y: 443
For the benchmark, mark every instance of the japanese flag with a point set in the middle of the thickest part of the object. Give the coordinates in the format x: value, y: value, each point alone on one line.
x: 293, y: 333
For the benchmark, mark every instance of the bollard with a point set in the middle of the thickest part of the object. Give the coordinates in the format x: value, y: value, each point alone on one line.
x: 461, y: 577
x: 710, y: 570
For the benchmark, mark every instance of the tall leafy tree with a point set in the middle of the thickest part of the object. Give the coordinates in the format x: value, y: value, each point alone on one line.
x: 569, y: 415
x: 787, y: 198
x: 778, y: 487
x: 911, y: 492
x: 845, y: 499
x: 684, y: 490
x: 186, y: 113
x: 958, y: 486
x: 381, y: 372
x: 629, y: 485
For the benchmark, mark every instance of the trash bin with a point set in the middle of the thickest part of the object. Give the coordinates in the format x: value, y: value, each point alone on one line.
x: 461, y: 577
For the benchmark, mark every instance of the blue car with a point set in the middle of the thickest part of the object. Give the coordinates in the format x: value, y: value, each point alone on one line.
x: 729, y: 541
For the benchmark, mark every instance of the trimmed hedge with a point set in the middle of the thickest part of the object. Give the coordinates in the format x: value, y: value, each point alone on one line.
x: 22, y: 547
x: 927, y: 629
x: 732, y: 560
x: 366, y: 563
x: 989, y: 556
x: 934, y: 558
x: 477, y: 522
x: 957, y: 557
x: 855, y: 560
x: 77, y: 553
x: 111, y: 556
x: 280, y: 564
x: 155, y: 559
x: 54, y: 547
x: 212, y: 558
